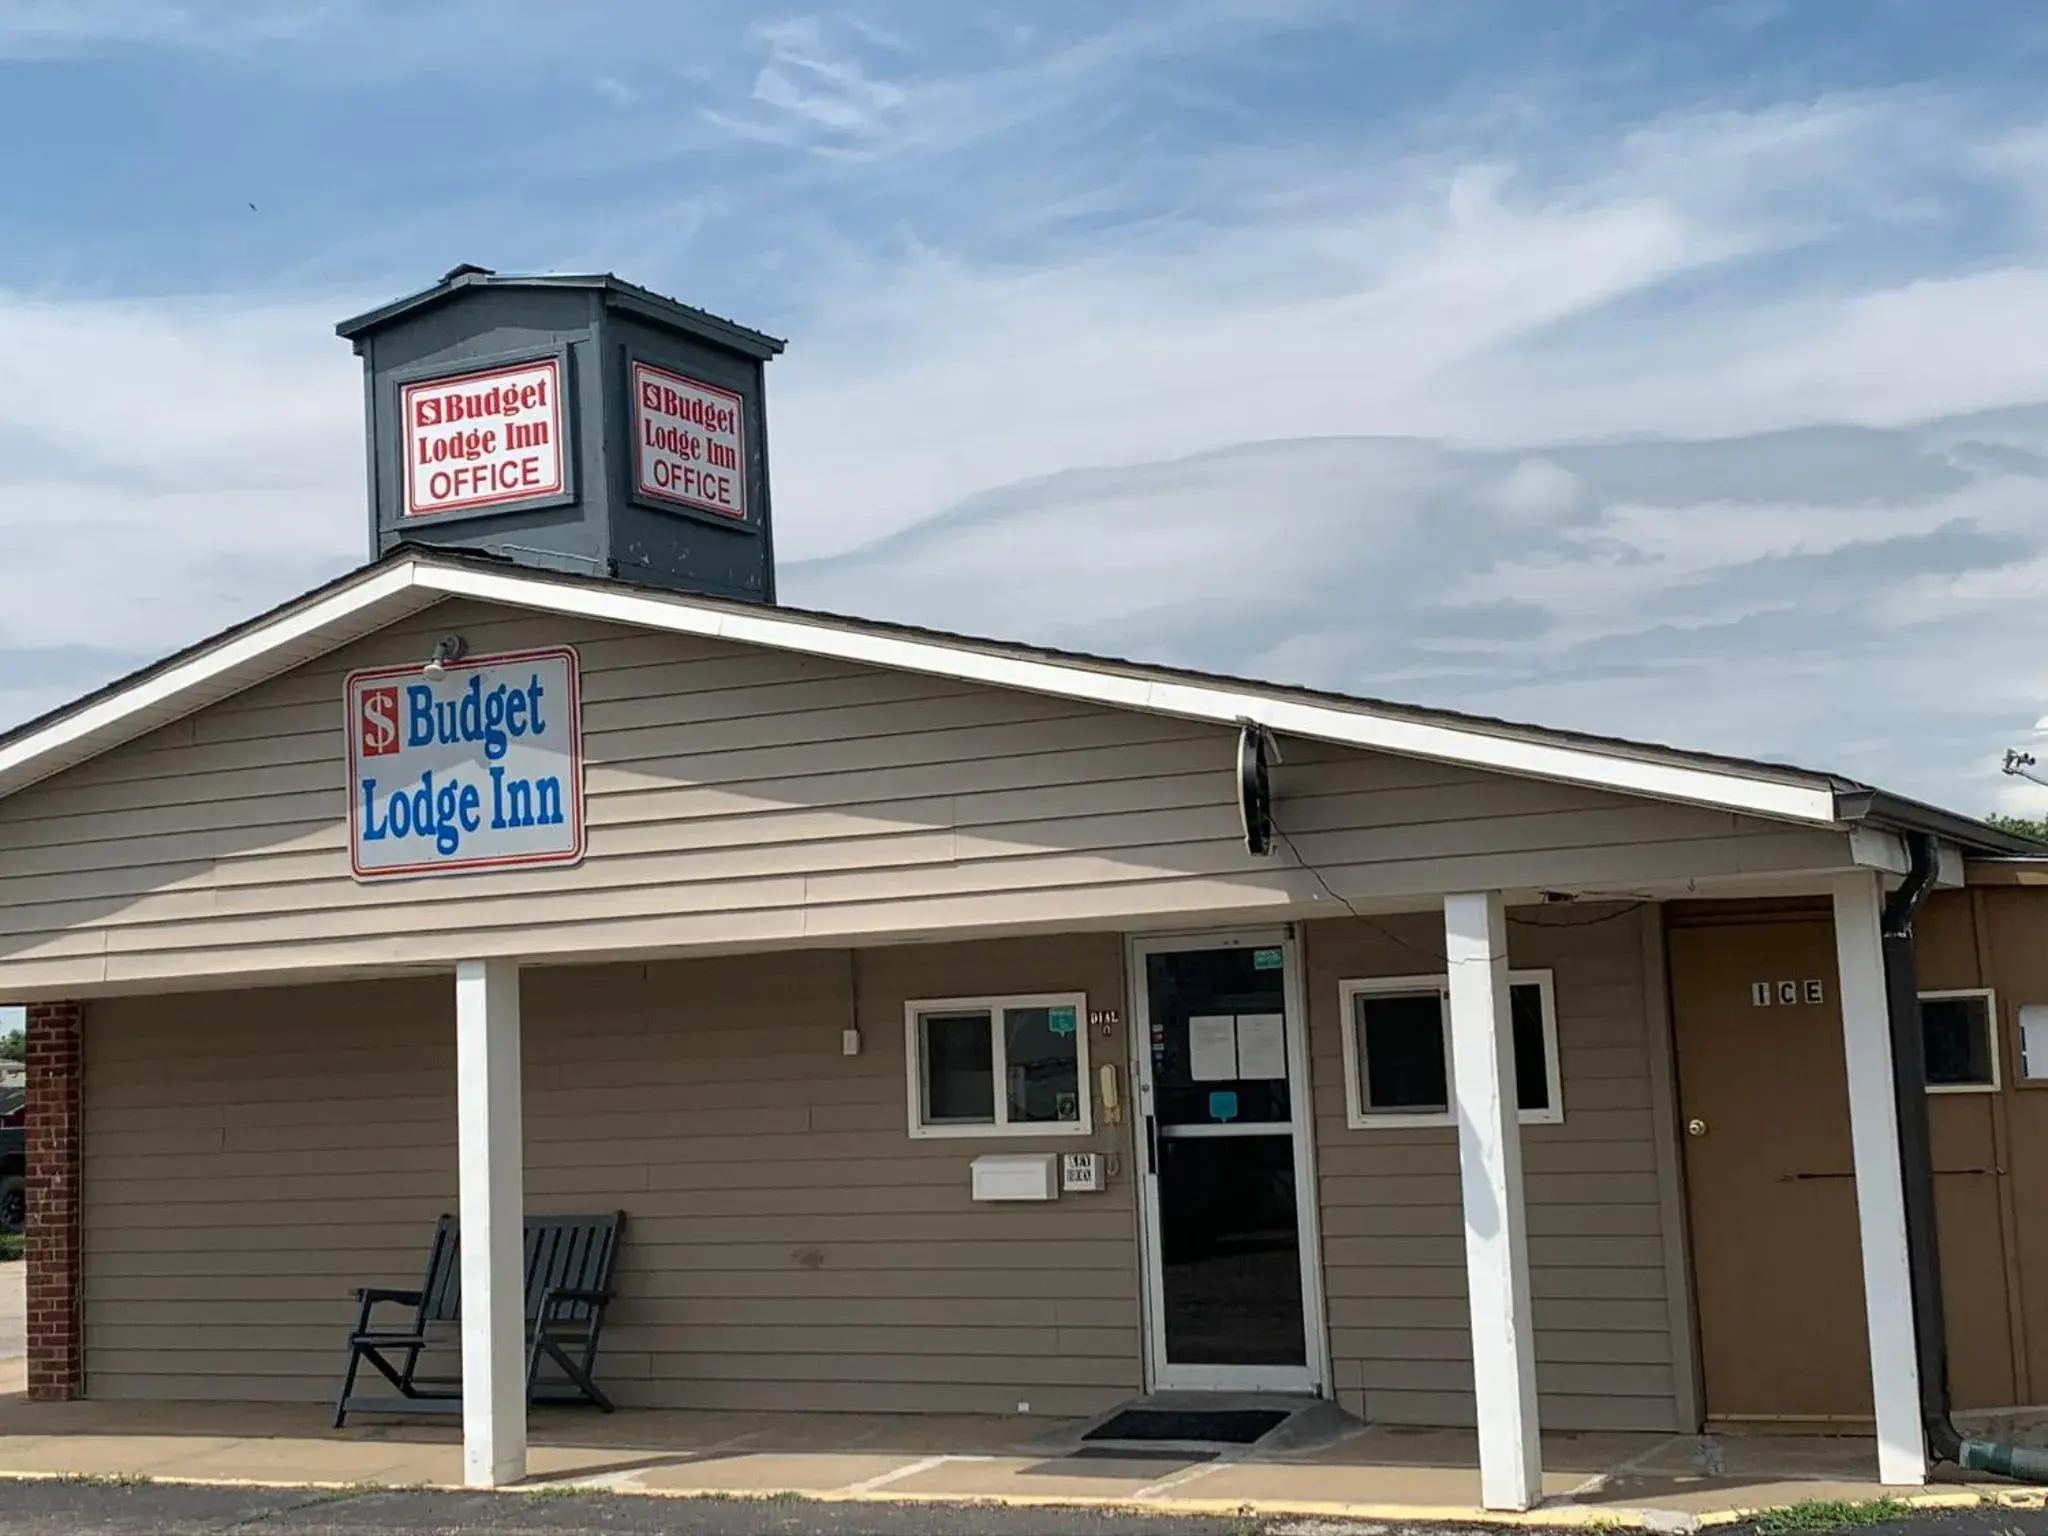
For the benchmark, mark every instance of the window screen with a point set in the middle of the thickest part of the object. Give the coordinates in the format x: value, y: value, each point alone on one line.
x: 1401, y: 1052
x: 1532, y: 1054
x: 1956, y: 1033
x: 1042, y: 1064
x: 959, y: 1069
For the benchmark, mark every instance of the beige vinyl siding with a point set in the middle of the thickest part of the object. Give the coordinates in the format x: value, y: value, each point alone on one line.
x: 743, y: 798
x: 251, y: 1156
x: 1392, y: 1229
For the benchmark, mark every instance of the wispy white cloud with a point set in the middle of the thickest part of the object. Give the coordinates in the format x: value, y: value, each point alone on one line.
x: 843, y: 86
x: 1484, y: 301
x: 1492, y: 300
x: 809, y: 79
x: 56, y: 28
x: 1866, y: 601
x: 169, y: 469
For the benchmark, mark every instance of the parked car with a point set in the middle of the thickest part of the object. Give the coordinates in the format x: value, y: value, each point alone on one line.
x: 13, y: 1160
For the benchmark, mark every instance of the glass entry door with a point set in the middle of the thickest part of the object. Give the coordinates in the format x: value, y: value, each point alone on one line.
x: 1229, y: 1218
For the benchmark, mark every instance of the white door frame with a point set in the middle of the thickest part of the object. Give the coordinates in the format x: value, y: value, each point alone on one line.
x: 1160, y: 1373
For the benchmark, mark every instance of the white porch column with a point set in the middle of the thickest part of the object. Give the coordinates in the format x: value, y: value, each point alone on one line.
x: 1496, y: 1227
x: 1880, y: 1187
x: 491, y: 1153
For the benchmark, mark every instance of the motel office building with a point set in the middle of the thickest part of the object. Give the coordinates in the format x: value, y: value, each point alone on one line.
x: 961, y: 1027
x: 867, y: 923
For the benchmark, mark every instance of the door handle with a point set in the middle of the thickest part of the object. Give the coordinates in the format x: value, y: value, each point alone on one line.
x: 1695, y: 1127
x: 1151, y: 1145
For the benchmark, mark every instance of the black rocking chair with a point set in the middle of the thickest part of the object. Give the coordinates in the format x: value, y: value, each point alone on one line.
x: 568, y: 1267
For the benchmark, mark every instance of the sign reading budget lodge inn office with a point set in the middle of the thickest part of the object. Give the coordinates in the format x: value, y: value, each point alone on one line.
x: 483, y: 439
x: 688, y: 447
x: 479, y: 769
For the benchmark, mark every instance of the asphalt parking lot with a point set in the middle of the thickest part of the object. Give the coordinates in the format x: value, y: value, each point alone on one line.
x: 101, y: 1509
x: 89, y: 1508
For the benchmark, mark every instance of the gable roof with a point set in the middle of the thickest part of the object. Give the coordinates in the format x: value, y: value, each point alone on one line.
x: 617, y: 294
x: 411, y: 579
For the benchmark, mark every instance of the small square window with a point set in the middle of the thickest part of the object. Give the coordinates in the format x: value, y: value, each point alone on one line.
x: 998, y: 1066
x: 1959, y: 1035
x: 1398, y: 1058
x: 1403, y: 1067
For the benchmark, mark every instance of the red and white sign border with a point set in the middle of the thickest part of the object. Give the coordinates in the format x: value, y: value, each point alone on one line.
x: 365, y: 675
x: 408, y: 513
x: 636, y: 367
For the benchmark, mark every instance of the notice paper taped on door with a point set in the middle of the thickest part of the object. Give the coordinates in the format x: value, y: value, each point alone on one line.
x: 1261, y: 1045
x: 1212, y: 1048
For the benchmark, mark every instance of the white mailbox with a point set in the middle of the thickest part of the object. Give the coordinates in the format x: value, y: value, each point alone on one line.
x: 1016, y: 1176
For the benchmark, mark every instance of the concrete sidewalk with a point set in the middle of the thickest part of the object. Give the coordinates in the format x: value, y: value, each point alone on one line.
x: 13, y: 1312
x: 1361, y: 1472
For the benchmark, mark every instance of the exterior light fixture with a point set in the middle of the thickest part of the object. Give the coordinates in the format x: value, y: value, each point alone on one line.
x: 1255, y: 750
x: 449, y: 648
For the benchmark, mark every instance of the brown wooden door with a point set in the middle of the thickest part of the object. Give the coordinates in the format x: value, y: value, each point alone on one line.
x: 1771, y: 1194
x: 1764, y: 1106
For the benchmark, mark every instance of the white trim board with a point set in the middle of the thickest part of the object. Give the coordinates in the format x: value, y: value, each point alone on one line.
x: 384, y: 593
x: 1359, y: 726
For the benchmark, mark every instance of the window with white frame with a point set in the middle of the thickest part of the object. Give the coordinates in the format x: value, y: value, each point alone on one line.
x: 1959, y: 1039
x: 998, y: 1066
x: 1397, y: 1050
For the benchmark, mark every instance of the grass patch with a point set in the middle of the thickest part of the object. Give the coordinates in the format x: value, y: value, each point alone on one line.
x: 561, y: 1491
x: 1830, y: 1515
x: 12, y: 1245
x: 108, y: 1479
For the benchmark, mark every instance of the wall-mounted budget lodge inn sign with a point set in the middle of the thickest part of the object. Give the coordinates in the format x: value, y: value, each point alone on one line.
x: 481, y: 768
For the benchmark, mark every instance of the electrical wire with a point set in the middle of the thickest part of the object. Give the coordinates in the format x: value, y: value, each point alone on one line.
x: 1586, y: 922
x: 1636, y: 903
x: 1435, y: 955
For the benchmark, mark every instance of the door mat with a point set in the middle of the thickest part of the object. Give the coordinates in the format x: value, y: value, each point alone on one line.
x: 1140, y: 1453
x: 1222, y: 1426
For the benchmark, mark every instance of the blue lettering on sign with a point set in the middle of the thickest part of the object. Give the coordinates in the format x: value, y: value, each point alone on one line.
x: 496, y: 719
x: 441, y: 812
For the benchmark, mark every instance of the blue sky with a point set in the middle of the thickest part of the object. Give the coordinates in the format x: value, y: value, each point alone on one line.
x: 1293, y: 317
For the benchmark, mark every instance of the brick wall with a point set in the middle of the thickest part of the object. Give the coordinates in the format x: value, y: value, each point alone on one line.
x: 55, y: 1353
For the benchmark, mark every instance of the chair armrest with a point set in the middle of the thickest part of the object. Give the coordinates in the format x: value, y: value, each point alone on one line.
x: 554, y: 1298
x: 368, y: 1296
x: 372, y: 1294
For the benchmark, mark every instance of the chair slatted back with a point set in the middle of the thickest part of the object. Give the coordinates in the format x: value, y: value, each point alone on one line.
x: 572, y: 1253
x: 561, y: 1253
x: 441, y: 1289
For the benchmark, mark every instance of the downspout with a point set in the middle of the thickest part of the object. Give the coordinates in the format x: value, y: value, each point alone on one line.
x: 1923, y: 1250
